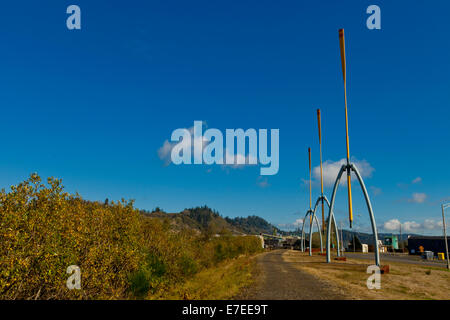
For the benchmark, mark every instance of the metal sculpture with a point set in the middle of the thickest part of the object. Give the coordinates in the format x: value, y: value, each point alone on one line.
x: 349, y: 167
x: 312, y: 217
x: 322, y: 198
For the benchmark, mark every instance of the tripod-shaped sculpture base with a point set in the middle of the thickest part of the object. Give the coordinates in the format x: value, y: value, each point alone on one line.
x: 353, y: 168
x: 324, y: 198
x: 313, y: 218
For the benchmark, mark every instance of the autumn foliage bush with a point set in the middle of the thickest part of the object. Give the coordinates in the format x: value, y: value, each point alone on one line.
x: 122, y: 254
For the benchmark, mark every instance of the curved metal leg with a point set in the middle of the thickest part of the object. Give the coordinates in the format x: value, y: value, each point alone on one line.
x: 303, y: 244
x: 310, y: 233
x: 317, y: 203
x: 372, y: 217
x: 335, y: 228
x: 314, y: 212
x: 336, y: 231
x: 320, y: 234
x: 330, y: 213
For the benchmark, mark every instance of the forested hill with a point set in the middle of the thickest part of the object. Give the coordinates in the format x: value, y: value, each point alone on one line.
x: 207, y: 219
x: 252, y: 224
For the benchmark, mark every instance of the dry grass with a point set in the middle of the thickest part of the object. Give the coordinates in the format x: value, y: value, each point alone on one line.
x: 221, y: 282
x: 403, y: 282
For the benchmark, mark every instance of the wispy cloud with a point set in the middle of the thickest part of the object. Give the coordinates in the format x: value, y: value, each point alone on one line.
x: 418, y: 197
x: 291, y: 226
x: 416, y: 180
x: 376, y: 191
x: 262, y: 182
x: 403, y: 185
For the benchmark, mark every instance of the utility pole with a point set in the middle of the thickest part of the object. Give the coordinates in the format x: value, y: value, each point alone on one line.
x: 354, y: 249
x: 401, y: 237
x: 392, y: 243
x: 444, y: 206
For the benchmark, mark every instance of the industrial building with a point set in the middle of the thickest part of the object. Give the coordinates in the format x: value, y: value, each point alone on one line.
x: 420, y: 244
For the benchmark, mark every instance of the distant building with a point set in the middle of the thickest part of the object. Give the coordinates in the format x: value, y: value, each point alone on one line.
x: 365, y: 248
x: 381, y: 247
x: 428, y: 243
x: 272, y: 242
x: 261, y: 238
x: 391, y: 241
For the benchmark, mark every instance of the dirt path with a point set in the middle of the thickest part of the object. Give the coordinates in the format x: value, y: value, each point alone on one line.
x: 279, y: 280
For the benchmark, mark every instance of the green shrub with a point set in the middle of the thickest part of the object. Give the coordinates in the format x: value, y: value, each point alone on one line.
x: 121, y: 253
x: 139, y: 284
x: 188, y: 266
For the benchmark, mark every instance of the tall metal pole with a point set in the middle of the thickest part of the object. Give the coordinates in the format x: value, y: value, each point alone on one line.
x: 445, y: 233
x: 348, y: 167
x: 344, y: 74
x: 310, y: 192
x: 310, y: 206
x: 321, y: 169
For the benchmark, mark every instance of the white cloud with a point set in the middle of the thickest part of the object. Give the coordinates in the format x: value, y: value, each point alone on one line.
x: 408, y: 226
x: 431, y: 224
x: 391, y: 225
x: 417, y: 180
x: 418, y: 197
x: 376, y: 191
x: 164, y: 152
x: 412, y: 226
x: 331, y: 170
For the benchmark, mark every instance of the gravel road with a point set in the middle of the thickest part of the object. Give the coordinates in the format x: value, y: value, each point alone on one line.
x: 279, y: 280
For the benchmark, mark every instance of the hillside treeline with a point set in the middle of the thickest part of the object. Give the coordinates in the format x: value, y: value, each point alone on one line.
x: 121, y: 253
x: 209, y: 220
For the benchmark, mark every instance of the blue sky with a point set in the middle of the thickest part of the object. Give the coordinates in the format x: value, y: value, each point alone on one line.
x: 94, y: 106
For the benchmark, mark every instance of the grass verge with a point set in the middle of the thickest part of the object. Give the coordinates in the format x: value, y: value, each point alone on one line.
x: 220, y: 282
